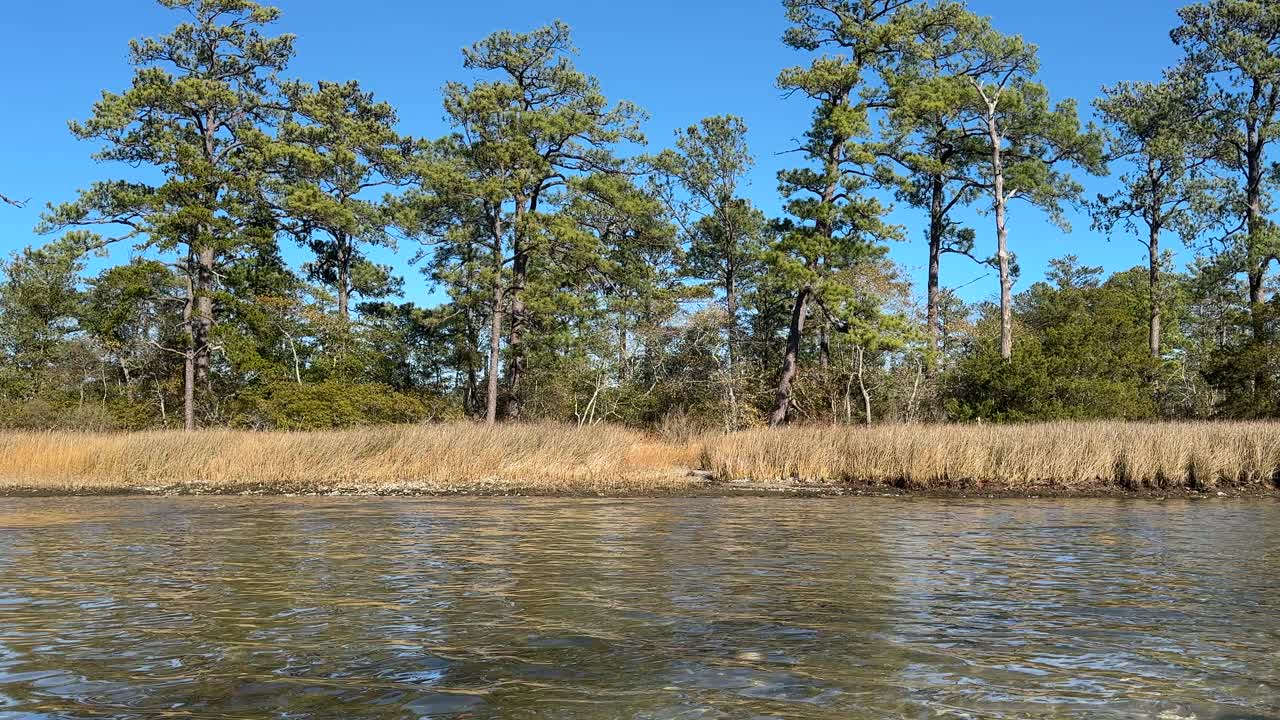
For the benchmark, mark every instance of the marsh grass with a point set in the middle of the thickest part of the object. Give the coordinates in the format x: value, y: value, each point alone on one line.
x: 442, y: 458
x: 1053, y: 456
x: 554, y: 459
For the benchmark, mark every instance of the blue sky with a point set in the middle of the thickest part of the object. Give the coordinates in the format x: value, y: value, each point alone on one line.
x: 681, y: 60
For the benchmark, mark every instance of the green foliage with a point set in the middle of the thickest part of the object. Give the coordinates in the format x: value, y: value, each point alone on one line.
x: 198, y: 113
x: 327, y: 405
x: 337, y: 148
x: 588, y: 279
x: 1080, y: 354
x: 40, y: 302
x: 44, y: 415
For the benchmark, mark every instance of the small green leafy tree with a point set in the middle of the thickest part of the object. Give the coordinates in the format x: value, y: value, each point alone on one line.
x: 1080, y: 353
x: 40, y: 303
x: 131, y: 312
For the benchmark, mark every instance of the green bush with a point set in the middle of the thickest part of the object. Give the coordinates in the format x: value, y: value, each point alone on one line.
x: 330, y: 404
x: 46, y: 415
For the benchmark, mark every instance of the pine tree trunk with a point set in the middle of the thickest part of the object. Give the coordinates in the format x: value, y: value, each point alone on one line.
x: 1002, y: 241
x: 189, y: 391
x: 1006, y: 290
x: 519, y: 321
x: 937, y: 229
x: 344, y: 276
x: 189, y: 357
x: 824, y: 366
x: 515, y: 346
x: 1153, y: 246
x: 731, y: 348
x: 495, y: 346
x: 495, y: 324
x: 624, y: 353
x: 1258, y: 260
x: 204, y: 321
x: 791, y: 359
x: 862, y: 387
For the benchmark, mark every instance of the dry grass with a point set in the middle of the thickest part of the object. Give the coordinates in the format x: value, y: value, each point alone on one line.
x: 1079, y: 457
x: 553, y: 459
x: 421, y: 459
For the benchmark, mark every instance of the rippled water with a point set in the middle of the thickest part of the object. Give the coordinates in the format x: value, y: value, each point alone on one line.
x: 885, y: 608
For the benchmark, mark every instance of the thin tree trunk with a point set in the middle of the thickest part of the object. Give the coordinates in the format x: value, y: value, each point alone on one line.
x: 495, y: 346
x: 915, y: 393
x: 189, y: 391
x: 515, y: 344
x: 824, y: 365
x: 862, y: 386
x: 189, y: 357
x: 1002, y: 241
x: 204, y: 324
x: 937, y: 229
x: 495, y: 324
x: 1153, y: 246
x: 731, y: 348
x: 791, y: 359
x: 128, y: 378
x: 848, y: 399
x: 344, y: 276
x: 1258, y: 261
x: 297, y: 363
x: 624, y: 354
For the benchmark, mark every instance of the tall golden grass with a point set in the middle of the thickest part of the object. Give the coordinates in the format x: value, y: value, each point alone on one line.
x: 443, y: 458
x: 1065, y: 456
x: 554, y: 459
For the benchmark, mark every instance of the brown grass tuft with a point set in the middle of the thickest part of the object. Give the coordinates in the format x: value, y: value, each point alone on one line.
x: 1064, y: 456
x: 521, y: 458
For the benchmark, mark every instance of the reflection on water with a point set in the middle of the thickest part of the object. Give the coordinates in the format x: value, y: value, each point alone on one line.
x: 291, y: 608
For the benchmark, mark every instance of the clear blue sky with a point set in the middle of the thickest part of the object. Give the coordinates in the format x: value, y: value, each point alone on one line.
x: 679, y: 59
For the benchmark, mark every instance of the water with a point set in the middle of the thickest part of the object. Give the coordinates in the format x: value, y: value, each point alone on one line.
x: 884, y: 608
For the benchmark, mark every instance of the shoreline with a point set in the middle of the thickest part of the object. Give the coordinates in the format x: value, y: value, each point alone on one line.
x: 1122, y: 460
x: 707, y: 489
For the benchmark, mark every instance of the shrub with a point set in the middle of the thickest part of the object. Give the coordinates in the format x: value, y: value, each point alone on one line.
x: 328, y: 405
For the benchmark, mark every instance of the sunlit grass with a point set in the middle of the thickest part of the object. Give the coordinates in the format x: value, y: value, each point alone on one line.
x: 555, y: 459
x: 441, y: 458
x: 1066, y: 456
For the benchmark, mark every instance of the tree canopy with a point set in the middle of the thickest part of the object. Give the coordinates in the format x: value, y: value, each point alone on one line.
x: 581, y: 272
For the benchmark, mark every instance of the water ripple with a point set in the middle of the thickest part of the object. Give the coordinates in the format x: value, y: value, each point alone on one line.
x: 316, y: 608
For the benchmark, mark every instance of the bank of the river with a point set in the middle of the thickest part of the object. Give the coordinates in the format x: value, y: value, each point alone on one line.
x: 1205, y: 460
x: 710, y: 489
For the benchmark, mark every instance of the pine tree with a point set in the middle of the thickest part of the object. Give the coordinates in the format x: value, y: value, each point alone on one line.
x: 837, y: 224
x: 1031, y: 144
x: 201, y: 101
x: 1235, y: 45
x: 702, y: 180
x: 338, y: 150
x: 1160, y: 131
x: 519, y: 141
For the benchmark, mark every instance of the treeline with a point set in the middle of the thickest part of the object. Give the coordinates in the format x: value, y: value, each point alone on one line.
x: 584, y: 276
